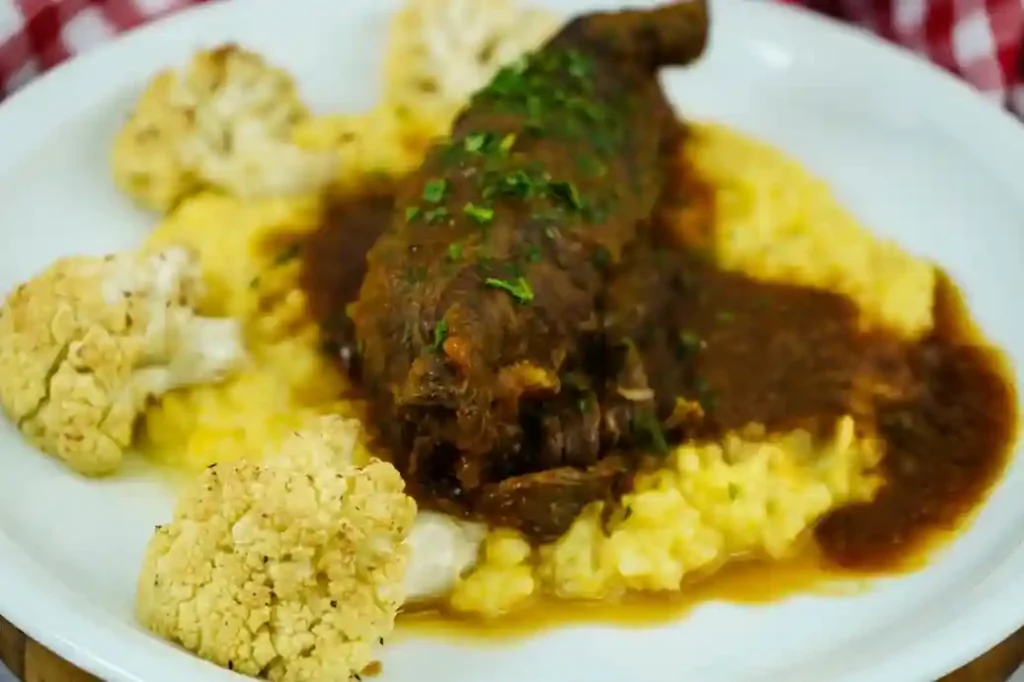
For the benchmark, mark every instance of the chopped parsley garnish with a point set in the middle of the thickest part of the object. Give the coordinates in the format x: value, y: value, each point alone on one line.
x: 487, y: 143
x: 434, y: 190
x: 517, y: 183
x: 705, y: 396
x: 689, y: 343
x: 649, y: 432
x: 549, y: 94
x: 480, y: 214
x: 601, y: 258
x: 579, y: 65
x: 567, y: 193
x: 519, y: 288
x: 592, y: 166
x: 507, y: 143
x: 412, y: 212
x: 586, y: 403
x: 440, y: 334
x: 726, y: 316
x: 475, y: 142
x: 435, y: 215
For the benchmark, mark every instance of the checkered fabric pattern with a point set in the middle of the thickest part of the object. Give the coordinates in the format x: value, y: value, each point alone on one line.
x: 982, y: 41
x: 979, y: 40
x: 37, y: 35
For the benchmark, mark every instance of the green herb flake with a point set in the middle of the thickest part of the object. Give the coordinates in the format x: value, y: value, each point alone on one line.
x: 440, y: 334
x: 534, y: 105
x: 533, y: 127
x: 689, y: 343
x: 289, y: 253
x: 519, y: 288
x: 601, y: 258
x: 567, y: 193
x: 435, y: 215
x: 592, y: 166
x: 517, y: 183
x: 411, y: 213
x: 734, y: 491
x: 475, y: 142
x: 649, y: 432
x: 705, y: 396
x: 507, y: 143
x: 578, y: 64
x: 725, y: 316
x: 533, y: 254
x: 455, y: 251
x: 434, y: 190
x: 482, y: 215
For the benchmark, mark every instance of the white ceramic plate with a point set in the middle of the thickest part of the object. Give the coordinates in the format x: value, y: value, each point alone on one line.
x: 916, y: 154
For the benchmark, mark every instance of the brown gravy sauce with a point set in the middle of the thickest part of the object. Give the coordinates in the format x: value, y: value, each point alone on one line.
x: 948, y: 427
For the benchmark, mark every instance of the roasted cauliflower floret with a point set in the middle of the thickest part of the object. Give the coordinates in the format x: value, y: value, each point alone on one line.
x: 224, y: 122
x: 86, y: 344
x: 290, y: 569
x: 442, y: 51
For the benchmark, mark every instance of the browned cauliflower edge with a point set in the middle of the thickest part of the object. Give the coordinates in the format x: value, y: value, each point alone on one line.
x: 289, y: 569
x: 86, y: 344
x: 224, y: 121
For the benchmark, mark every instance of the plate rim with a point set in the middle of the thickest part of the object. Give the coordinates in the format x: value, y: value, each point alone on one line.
x: 100, y: 644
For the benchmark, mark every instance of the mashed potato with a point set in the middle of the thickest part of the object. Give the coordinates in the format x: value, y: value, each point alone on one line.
x: 753, y: 495
x: 776, y: 221
x: 286, y: 381
x: 250, y: 277
x: 381, y: 141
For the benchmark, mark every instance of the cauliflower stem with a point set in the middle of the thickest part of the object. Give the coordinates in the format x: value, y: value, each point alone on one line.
x: 85, y: 345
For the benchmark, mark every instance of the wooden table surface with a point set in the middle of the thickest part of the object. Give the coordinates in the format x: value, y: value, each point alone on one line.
x: 33, y: 663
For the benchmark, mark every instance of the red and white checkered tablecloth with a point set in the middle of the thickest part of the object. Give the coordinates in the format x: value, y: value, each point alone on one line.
x: 36, y: 35
x: 979, y: 40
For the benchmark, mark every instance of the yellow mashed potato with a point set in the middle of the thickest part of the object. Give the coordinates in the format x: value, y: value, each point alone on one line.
x: 749, y: 497
x: 285, y: 381
x: 753, y: 495
x: 778, y: 222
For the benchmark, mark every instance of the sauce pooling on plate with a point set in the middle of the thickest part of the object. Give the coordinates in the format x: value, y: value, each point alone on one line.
x: 947, y: 440
x: 781, y: 356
